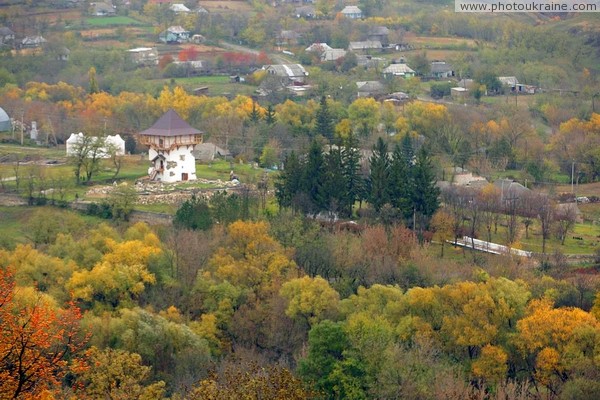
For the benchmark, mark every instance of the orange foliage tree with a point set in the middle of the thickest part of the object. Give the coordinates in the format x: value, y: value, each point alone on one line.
x: 38, y: 343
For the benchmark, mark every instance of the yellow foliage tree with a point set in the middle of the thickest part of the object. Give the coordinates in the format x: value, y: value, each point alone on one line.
x: 310, y: 298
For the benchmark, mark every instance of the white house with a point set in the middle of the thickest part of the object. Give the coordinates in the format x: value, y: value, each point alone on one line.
x: 171, y: 141
x: 352, y: 12
x: 112, y: 142
x: 179, y: 8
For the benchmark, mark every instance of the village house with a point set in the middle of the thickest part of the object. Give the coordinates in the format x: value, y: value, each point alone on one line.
x: 459, y: 93
x: 318, y: 47
x: 380, y: 34
x: 305, y: 12
x: 7, y: 36
x: 292, y: 73
x: 179, y: 8
x: 112, y: 143
x: 102, y: 9
x: 441, y: 70
x: 365, y: 46
x: 401, y: 70
x: 352, y: 12
x: 32, y: 42
x: 171, y: 143
x: 370, y: 89
x: 511, y: 83
x: 333, y: 54
x: 144, y: 56
x: 174, y: 34
x: 287, y: 38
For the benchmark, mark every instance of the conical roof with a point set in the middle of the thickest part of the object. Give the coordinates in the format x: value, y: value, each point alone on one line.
x: 4, y: 121
x: 170, y: 124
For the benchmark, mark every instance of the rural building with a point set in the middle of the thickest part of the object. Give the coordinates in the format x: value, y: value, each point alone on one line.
x: 179, y: 8
x: 174, y: 34
x: 402, y: 70
x: 441, y: 70
x: 370, y: 89
x: 101, y: 9
x: 293, y: 73
x: 31, y: 42
x: 5, y: 124
x: 333, y: 54
x: 171, y: 141
x: 6, y: 35
x: 318, y: 47
x: 305, y: 12
x: 380, y: 34
x: 352, y: 12
x: 510, y: 189
x: 62, y: 54
x: 144, y: 55
x: 365, y: 46
x: 289, y: 38
x: 459, y: 93
x: 112, y: 142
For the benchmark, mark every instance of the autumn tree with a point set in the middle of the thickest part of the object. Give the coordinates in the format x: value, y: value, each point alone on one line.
x: 39, y: 343
x: 117, y: 374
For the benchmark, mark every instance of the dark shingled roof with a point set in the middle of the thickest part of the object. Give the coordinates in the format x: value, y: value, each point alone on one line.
x: 170, y: 124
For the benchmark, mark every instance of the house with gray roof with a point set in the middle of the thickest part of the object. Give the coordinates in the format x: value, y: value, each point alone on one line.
x: 379, y: 33
x: 175, y: 34
x: 370, y: 88
x: 365, y: 46
x: 293, y: 73
x: 352, y: 12
x: 333, y: 54
x: 401, y: 70
x: 6, y: 35
x: 441, y: 70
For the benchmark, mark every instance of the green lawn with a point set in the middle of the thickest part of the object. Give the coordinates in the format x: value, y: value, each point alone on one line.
x: 111, y: 21
x: 588, y: 232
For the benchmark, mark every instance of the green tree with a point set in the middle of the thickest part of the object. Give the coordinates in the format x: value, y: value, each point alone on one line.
x: 326, y: 344
x: 324, y: 121
x: 122, y: 200
x: 379, y: 176
x: 355, y: 184
x: 194, y: 214
x: 401, y: 183
x: 270, y: 117
x: 288, y: 183
x: 92, y: 81
x: 312, y: 181
x: 425, y: 192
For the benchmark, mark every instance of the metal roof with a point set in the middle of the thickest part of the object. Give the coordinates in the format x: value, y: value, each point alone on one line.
x: 170, y: 124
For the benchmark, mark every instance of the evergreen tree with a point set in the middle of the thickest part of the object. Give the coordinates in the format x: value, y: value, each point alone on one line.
x: 425, y: 194
x: 401, y: 183
x: 324, y: 121
x: 334, y: 185
x: 270, y: 115
x: 312, y: 182
x: 408, y: 150
x: 288, y: 184
x: 379, y: 178
x: 254, y: 114
x: 193, y: 214
x: 354, y: 182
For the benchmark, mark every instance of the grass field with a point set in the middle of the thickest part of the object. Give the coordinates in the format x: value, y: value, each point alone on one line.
x: 111, y: 21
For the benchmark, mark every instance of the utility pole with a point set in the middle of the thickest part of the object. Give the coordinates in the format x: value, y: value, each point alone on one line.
x: 22, y: 127
x: 572, y: 174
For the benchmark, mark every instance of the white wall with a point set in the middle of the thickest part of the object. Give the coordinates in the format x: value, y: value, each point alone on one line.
x: 177, y: 161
